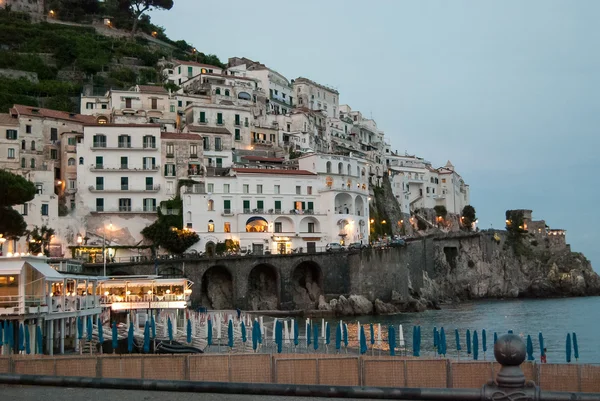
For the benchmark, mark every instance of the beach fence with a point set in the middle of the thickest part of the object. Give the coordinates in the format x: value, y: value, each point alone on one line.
x: 303, y: 369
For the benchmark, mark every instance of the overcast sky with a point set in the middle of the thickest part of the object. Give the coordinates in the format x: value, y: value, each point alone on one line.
x: 507, y: 90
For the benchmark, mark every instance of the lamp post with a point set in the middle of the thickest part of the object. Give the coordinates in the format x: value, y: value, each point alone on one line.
x: 2, y: 241
x: 104, y: 248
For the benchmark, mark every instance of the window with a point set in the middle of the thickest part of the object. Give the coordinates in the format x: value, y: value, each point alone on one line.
x: 210, y: 188
x: 278, y: 227
x: 246, y: 188
x: 170, y: 150
x: 99, y: 183
x: 124, y: 162
x: 172, y: 108
x: 309, y: 190
x: 89, y: 105
x: 277, y: 189
x: 328, y: 167
x: 28, y: 129
x: 24, y: 209
x: 206, y: 143
x: 72, y: 184
x: 311, y: 227
x: 149, y: 183
x: 23, y: 162
x: 99, y: 141
x: 39, y: 189
x: 99, y: 204
x: 72, y: 141
x: 211, y: 226
x: 128, y: 103
x: 23, y: 145
x: 71, y: 161
x: 340, y: 168
x: 218, y: 145
x: 32, y: 163
x: 311, y: 206
x: 32, y: 145
x: 202, y: 117
x: 259, y: 189
x: 226, y: 206
x: 298, y: 190
x: 149, y: 142
x: 238, y: 136
x: 124, y: 205
x: 99, y: 162
x: 180, y: 103
x: 277, y: 206
x: 225, y: 188
x: 245, y: 121
x: 11, y: 134
x: 149, y: 163
x: 154, y: 103
x: 443, y: 180
x: 149, y: 205
x: 124, y: 183
x: 227, y: 227
x: 219, y: 162
x: 53, y: 134
x: 190, y: 71
x: 246, y: 206
x: 11, y: 153
x: 81, y: 161
x: 53, y: 154
x: 124, y: 141
x: 211, y: 205
x: 218, y: 91
x: 44, y: 209
x: 193, y: 150
x: 227, y: 92
x: 169, y: 170
x: 237, y: 119
x: 219, y: 118
x: 260, y: 205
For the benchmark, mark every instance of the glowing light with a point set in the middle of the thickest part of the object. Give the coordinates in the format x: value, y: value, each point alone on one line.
x: 128, y: 292
x: 9, y: 255
x: 188, y: 291
x: 106, y: 293
x: 168, y: 291
x: 149, y: 292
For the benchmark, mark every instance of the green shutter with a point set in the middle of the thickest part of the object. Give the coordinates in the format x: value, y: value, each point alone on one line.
x: 166, y: 170
x: 237, y: 134
x: 310, y: 206
x: 202, y: 117
x: 237, y: 119
x: 219, y: 118
x: 259, y: 204
x: 246, y: 204
x: 278, y: 205
x: 303, y: 206
x: 227, y: 204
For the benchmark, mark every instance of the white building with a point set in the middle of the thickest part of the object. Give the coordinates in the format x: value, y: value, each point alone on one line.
x: 315, y: 96
x: 182, y: 71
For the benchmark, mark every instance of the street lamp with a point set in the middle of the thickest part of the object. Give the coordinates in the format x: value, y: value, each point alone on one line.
x: 2, y: 241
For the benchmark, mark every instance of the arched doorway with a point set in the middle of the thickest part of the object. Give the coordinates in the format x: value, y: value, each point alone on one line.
x: 263, y: 288
x: 343, y: 204
x: 210, y: 248
x: 217, y: 288
x: 307, y: 281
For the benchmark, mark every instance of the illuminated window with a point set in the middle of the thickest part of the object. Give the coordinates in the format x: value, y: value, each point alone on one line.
x: 211, y: 226
x: 227, y: 227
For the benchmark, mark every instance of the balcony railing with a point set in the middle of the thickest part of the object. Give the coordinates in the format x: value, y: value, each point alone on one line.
x: 99, y: 145
x: 126, y: 209
x: 124, y: 167
x: 125, y: 188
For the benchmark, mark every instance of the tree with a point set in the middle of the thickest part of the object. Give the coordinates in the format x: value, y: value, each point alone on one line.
x: 38, y: 240
x: 14, y: 190
x: 167, y: 231
x: 468, y: 217
x: 139, y: 7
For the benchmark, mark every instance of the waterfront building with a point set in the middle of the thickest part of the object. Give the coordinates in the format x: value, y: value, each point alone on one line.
x: 317, y: 97
x: 181, y: 71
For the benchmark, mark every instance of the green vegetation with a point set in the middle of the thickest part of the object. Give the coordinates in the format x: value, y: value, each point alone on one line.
x: 38, y: 240
x: 468, y: 217
x: 440, y: 211
x: 516, y: 233
x: 14, y: 190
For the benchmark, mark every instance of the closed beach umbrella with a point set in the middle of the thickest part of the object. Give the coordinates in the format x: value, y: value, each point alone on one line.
x: 189, y: 331
x: 575, y: 347
x: 90, y: 328
x: 115, y: 339
x: 475, y: 345
x: 100, y: 333
x: 363, y: 340
x: 415, y: 341
x: 21, y: 340
x: 27, y: 341
x: 210, y: 330
x: 316, y: 337
x: 442, y: 342
x: 153, y: 326
x: 259, y: 331
x: 146, y: 348
x: 244, y: 337
x: 79, y: 328
x: 296, y: 334
x: 308, y: 335
x: 436, y: 338
x: 279, y: 335
x: 529, y: 349
x: 495, y: 338
x: 170, y: 329
x: 39, y: 340
x: 372, y: 334
x: 401, y: 342
x: 345, y: 335
x: 568, y: 348
x: 1, y: 333
x: 418, y: 340
x: 254, y: 335
x: 457, y: 335
x: 392, y: 340
x: 541, y: 340
x: 130, y: 338
x: 230, y: 334
x: 327, y: 334
x: 11, y: 336
x: 483, y: 342
x: 468, y: 342
x: 338, y: 337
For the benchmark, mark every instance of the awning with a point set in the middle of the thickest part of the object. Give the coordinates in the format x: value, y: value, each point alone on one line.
x: 193, y: 163
x: 47, y: 271
x: 11, y: 267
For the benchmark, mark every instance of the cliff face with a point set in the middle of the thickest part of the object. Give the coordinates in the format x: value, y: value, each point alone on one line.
x: 485, y: 265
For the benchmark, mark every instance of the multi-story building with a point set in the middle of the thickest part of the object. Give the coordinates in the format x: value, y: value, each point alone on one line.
x: 182, y: 157
x: 119, y: 178
x: 452, y: 190
x: 225, y: 127
x: 10, y: 145
x: 315, y: 96
x: 182, y: 71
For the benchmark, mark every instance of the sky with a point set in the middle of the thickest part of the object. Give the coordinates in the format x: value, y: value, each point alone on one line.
x: 509, y: 91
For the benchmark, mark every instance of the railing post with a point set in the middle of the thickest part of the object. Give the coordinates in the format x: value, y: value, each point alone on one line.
x: 510, y: 383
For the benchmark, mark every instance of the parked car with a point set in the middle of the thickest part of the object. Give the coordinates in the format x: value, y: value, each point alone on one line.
x: 334, y: 247
x: 397, y: 243
x: 356, y: 246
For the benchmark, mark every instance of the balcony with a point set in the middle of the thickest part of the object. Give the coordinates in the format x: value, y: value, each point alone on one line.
x: 124, y: 168
x: 125, y: 188
x: 193, y: 156
x: 121, y: 146
x: 227, y: 212
x: 126, y: 209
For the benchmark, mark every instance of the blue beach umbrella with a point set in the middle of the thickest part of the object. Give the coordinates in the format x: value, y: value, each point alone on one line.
x: 209, y: 332
x: 254, y: 335
x: 11, y: 333
x: 279, y: 336
x: 189, y: 331
x: 363, y: 340
x: 39, y: 340
x: 568, y: 348
x: 418, y: 341
x: 308, y: 335
x: 115, y: 339
x: 468, y: 342
x: 170, y: 329
x: 529, y: 349
x: 153, y: 326
x: 338, y: 337
x: 414, y: 342
x: 244, y: 337
x: 575, y: 347
x: 230, y: 334
x: 259, y: 332
x: 436, y: 338
x: 79, y: 328
x: 27, y: 341
x: 495, y: 338
x: 475, y: 345
x: 1, y: 333
x: 541, y: 340
x: 90, y: 328
x: 146, y: 348
x: 372, y: 334
x: 483, y: 342
x: 327, y: 334
x: 130, y: 338
x: 296, y: 334
x: 316, y: 337
x: 345, y: 335
x: 392, y: 340
x: 442, y: 344
x: 21, y: 339
x: 100, y: 333
x: 457, y: 336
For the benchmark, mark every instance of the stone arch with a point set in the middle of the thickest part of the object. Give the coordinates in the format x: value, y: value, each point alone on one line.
x: 287, y: 224
x: 304, y: 225
x: 328, y: 167
x: 217, y: 288
x: 349, y: 168
x: 307, y: 285
x: 343, y: 203
x: 340, y: 168
x: 244, y: 96
x: 210, y: 248
x: 263, y: 288
x: 360, y: 206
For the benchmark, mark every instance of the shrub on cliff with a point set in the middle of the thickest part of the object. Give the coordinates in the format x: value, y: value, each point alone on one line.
x: 468, y: 217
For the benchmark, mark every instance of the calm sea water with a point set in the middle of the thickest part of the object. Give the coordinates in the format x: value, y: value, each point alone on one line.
x: 553, y: 317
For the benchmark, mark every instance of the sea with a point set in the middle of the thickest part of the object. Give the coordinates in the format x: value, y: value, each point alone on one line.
x: 554, y: 318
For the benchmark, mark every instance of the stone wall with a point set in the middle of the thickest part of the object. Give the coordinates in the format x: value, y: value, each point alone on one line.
x: 17, y: 74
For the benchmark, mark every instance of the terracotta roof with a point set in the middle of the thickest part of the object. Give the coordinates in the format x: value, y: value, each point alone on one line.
x: 155, y: 89
x: 178, y: 62
x: 272, y: 171
x: 7, y: 119
x: 47, y: 113
x: 180, y: 135
x: 264, y: 159
x: 208, y: 130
